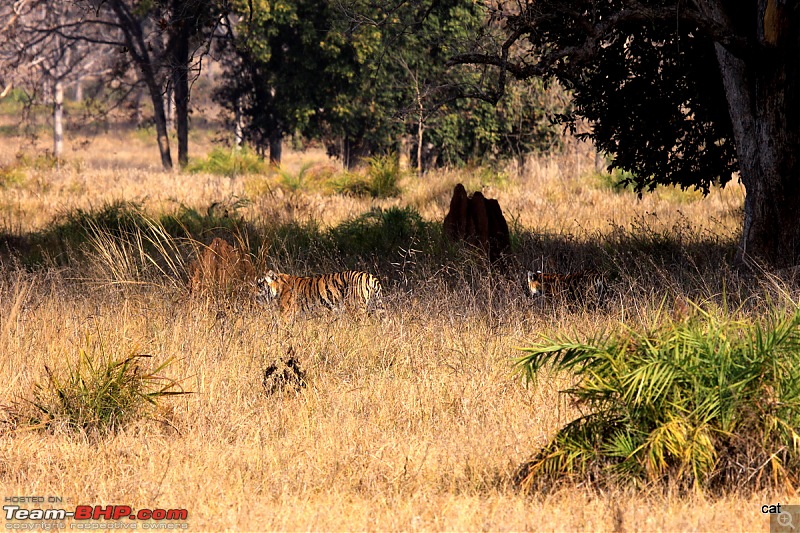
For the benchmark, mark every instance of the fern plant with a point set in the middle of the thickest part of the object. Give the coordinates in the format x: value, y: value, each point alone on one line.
x: 705, y: 401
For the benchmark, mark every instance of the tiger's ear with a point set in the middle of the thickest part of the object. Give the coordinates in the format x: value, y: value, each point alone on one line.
x: 534, y: 276
x: 271, y: 274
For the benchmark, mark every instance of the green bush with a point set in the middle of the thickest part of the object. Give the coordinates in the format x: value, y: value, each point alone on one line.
x: 617, y: 180
x: 383, y: 174
x: 228, y: 162
x: 72, y: 228
x: 11, y: 175
x: 293, y: 182
x: 379, y: 232
x: 704, y: 401
x: 101, y: 392
x: 189, y: 222
x: 381, y: 179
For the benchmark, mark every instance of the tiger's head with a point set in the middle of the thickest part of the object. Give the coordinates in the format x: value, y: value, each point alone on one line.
x: 268, y: 287
x: 535, y: 283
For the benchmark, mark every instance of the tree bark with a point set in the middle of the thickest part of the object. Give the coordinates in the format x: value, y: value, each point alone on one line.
x: 79, y: 90
x: 138, y: 114
x: 762, y: 93
x: 169, y: 107
x: 275, y: 147
x: 180, y: 80
x: 238, y: 125
x: 160, y: 119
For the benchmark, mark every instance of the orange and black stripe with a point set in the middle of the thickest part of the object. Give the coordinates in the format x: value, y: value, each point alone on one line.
x: 296, y: 293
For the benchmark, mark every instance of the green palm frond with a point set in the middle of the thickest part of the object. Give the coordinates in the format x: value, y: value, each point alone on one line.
x: 689, y: 401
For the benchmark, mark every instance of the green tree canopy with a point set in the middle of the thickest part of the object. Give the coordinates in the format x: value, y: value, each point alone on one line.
x: 686, y: 93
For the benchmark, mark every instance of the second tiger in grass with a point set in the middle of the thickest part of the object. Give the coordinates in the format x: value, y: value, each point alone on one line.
x: 342, y: 289
x: 587, y: 287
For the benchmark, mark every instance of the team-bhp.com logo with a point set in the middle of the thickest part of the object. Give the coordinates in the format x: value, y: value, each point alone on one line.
x: 157, y: 517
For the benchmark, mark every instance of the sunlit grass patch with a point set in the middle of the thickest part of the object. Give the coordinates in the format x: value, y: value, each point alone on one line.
x: 229, y: 162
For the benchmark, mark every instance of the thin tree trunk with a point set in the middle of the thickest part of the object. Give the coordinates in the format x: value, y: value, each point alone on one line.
x: 134, y: 37
x: 138, y: 114
x: 58, y: 119
x: 420, y: 131
x: 79, y: 90
x: 238, y: 125
x: 404, y: 154
x: 169, y: 107
x: 160, y: 119
x: 180, y: 65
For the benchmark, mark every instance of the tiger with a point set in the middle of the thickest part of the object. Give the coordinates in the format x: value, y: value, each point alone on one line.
x: 295, y: 293
x: 587, y: 286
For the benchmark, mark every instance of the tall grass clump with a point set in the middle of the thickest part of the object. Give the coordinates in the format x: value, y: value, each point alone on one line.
x: 291, y: 180
x: 707, y: 401
x: 381, y: 180
x: 143, y: 254
x: 100, y: 392
x: 228, y: 162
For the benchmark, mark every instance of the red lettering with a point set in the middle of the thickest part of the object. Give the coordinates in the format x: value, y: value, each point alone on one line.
x: 106, y: 513
x: 83, y: 512
x: 177, y: 514
x: 143, y: 514
x: 121, y: 511
x: 159, y: 514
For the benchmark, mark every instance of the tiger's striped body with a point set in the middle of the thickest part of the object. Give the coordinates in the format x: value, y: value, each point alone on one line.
x: 587, y: 286
x: 295, y: 293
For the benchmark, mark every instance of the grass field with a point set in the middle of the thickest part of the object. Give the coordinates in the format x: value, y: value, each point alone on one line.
x: 412, y: 421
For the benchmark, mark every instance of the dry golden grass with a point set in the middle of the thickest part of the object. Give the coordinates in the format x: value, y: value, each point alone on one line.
x: 414, y: 421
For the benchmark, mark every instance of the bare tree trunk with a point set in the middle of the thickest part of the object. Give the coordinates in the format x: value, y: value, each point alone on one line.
x: 275, y: 147
x: 404, y: 155
x: 169, y: 107
x: 763, y: 103
x: 134, y: 37
x: 180, y: 78
x: 420, y: 131
x: 138, y: 114
x: 58, y: 119
x: 79, y: 90
x: 160, y: 118
x: 238, y: 125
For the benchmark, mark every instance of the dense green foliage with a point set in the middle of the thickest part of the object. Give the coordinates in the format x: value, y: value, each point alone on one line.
x: 363, y: 79
x: 703, y: 400
x: 647, y: 77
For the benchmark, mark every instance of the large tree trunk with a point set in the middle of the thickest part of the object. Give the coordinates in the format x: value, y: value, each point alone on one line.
x: 764, y: 103
x: 275, y: 147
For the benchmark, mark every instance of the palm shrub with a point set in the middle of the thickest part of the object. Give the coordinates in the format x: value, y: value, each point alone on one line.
x: 707, y: 401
